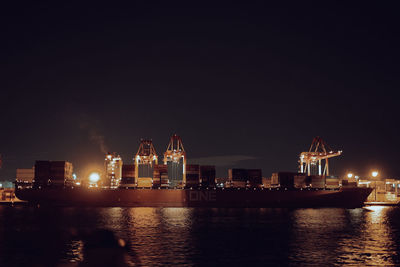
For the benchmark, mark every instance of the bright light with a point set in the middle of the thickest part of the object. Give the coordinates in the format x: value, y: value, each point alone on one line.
x: 374, y: 173
x: 94, y: 177
x: 74, y: 176
x: 78, y: 183
x: 349, y: 175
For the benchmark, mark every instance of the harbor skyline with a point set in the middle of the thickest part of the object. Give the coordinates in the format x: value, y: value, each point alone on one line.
x: 246, y: 86
x: 184, y: 133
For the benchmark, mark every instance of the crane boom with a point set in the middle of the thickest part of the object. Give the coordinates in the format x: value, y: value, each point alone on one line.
x: 315, y: 155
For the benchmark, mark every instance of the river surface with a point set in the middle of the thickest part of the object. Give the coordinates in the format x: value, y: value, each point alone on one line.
x: 38, y: 236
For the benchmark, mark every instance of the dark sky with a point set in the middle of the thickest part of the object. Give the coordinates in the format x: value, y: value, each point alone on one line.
x: 245, y: 85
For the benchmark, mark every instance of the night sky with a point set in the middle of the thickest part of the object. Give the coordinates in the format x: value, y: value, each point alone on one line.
x: 244, y: 85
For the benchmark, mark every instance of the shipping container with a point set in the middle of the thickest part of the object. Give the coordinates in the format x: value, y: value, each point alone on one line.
x: 332, y: 183
x: 207, y: 176
x: 53, y: 173
x: 346, y: 183
x: 254, y: 177
x: 317, y: 181
x: 145, y: 182
x: 192, y: 167
x: 25, y: 175
x: 301, y: 181
x: 128, y: 171
x: 283, y: 179
x: 237, y: 174
x: 156, y: 182
x: 238, y: 184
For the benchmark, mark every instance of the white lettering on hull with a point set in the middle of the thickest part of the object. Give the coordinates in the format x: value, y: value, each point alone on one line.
x: 209, y: 196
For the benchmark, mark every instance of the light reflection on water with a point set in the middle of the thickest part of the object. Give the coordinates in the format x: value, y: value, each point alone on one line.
x: 338, y: 236
x: 193, y: 236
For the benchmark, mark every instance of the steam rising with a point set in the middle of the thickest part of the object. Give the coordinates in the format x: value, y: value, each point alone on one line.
x: 94, y: 135
x: 98, y: 139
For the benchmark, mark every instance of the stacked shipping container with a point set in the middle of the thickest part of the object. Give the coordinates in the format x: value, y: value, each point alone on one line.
x: 283, y: 179
x: 53, y: 173
x: 192, y: 175
x: 207, y: 176
x: 160, y: 176
x: 128, y: 176
x: 245, y: 177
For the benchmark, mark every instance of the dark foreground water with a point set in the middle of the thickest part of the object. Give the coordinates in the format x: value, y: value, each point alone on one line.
x: 32, y: 236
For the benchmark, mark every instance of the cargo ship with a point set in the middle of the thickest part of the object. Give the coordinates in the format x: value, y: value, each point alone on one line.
x: 352, y: 197
x: 175, y: 183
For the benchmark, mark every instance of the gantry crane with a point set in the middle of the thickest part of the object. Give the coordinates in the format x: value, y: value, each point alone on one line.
x: 145, y: 156
x: 175, y: 156
x: 318, y: 151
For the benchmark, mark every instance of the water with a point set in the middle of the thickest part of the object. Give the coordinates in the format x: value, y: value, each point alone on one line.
x: 32, y: 236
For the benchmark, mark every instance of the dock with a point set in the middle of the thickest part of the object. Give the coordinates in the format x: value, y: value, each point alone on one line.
x: 381, y: 203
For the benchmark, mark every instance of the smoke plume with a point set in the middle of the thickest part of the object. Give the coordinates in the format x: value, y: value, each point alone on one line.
x: 94, y: 135
x: 98, y: 139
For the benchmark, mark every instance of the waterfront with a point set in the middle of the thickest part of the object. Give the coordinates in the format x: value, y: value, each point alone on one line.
x: 38, y: 236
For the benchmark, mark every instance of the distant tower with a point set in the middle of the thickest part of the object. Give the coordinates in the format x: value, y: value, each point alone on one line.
x: 145, y: 159
x: 113, y: 170
x: 318, y: 151
x: 175, y: 159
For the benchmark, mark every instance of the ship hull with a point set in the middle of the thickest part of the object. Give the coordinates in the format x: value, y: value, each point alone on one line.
x: 224, y: 198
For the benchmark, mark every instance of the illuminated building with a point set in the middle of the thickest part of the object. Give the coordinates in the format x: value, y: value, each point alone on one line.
x: 113, y: 171
x: 145, y: 160
x: 175, y: 159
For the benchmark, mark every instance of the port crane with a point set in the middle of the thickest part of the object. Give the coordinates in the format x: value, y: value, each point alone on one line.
x: 146, y: 153
x: 318, y: 152
x: 146, y: 156
x: 176, y: 155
